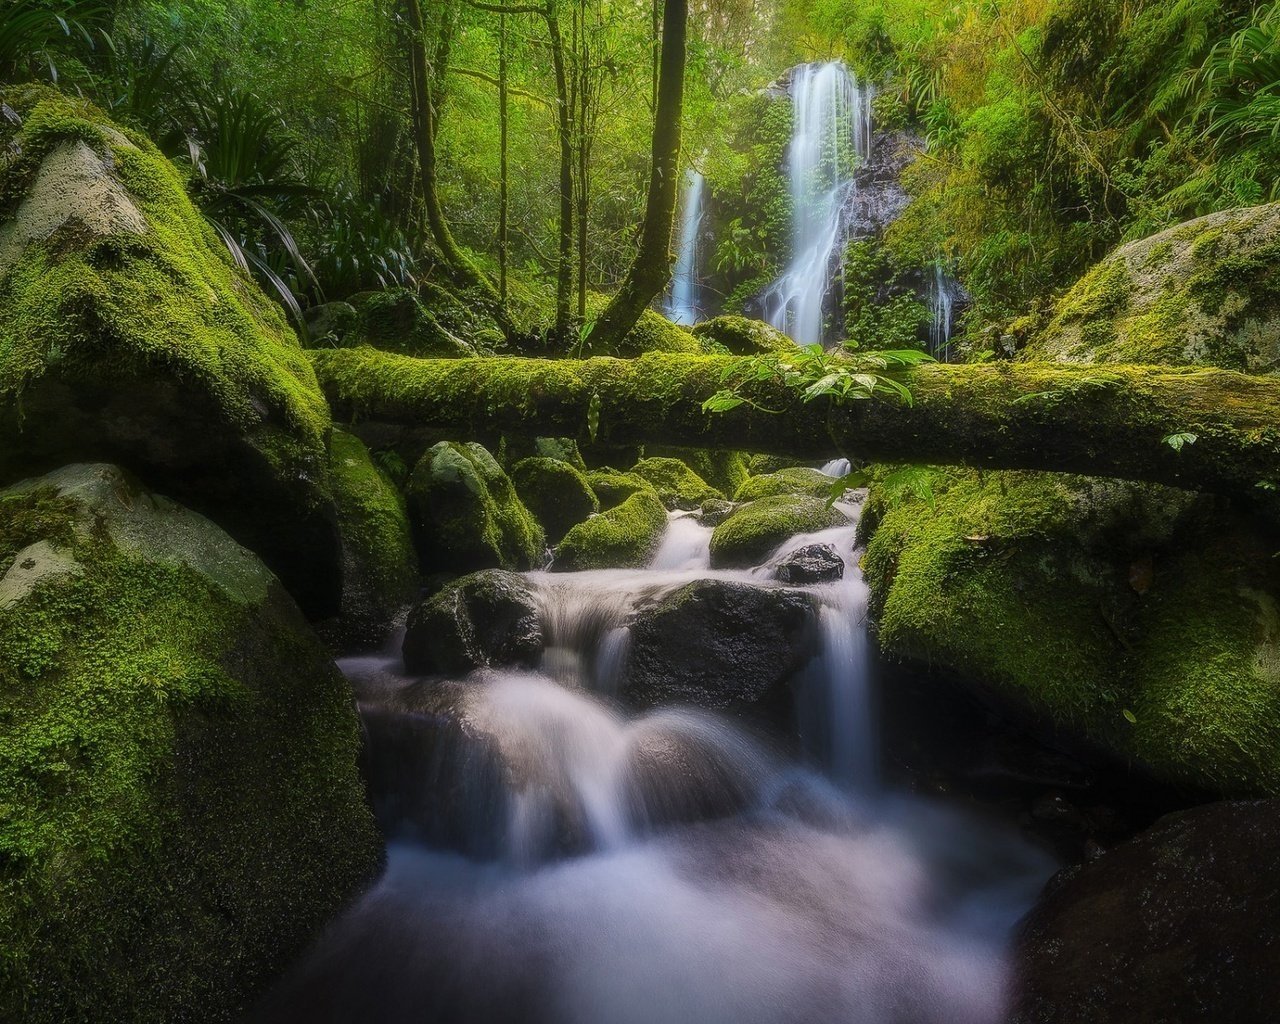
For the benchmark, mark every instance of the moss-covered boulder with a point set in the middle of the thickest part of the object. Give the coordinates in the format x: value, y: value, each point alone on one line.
x: 796, y: 480
x: 1133, y: 619
x: 755, y: 530
x: 677, y: 485
x: 726, y: 471
x: 466, y: 515
x: 556, y: 493
x: 395, y: 320
x: 612, y: 487
x: 379, y: 566
x: 563, y: 449
x: 741, y: 336
x: 182, y: 810
x: 1207, y: 291
x: 487, y: 618
x: 127, y: 334
x: 759, y: 465
x: 626, y: 536
x: 653, y: 332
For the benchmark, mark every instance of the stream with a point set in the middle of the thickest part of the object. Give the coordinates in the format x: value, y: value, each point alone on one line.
x: 554, y: 857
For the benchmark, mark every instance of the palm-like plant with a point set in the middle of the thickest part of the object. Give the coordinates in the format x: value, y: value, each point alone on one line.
x: 1241, y: 83
x: 33, y: 33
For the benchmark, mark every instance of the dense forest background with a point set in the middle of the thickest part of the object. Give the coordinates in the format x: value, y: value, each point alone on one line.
x: 1050, y: 130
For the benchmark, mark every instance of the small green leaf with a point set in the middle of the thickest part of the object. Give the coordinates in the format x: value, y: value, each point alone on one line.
x: 593, y: 416
x: 1176, y: 441
x: 1129, y: 716
x: 722, y: 401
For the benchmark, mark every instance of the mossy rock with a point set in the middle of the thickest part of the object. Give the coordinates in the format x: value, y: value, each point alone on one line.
x: 1205, y: 292
x: 396, y: 321
x: 677, y: 485
x: 759, y: 465
x: 741, y: 336
x: 612, y: 487
x: 487, y: 618
x: 556, y: 493
x: 724, y: 470
x: 563, y: 449
x: 379, y: 566
x: 624, y: 537
x: 466, y: 515
x: 1137, y: 619
x: 755, y: 530
x: 797, y: 480
x: 183, y: 811
x: 128, y: 335
x: 653, y: 332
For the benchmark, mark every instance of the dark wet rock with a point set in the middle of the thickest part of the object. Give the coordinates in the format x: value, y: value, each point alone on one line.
x: 487, y: 618
x: 1181, y: 923
x: 719, y: 645
x: 556, y: 492
x: 815, y: 563
x: 715, y: 511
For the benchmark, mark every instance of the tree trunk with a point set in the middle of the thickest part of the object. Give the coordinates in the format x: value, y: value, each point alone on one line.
x: 502, y: 157
x: 651, y: 270
x: 564, y: 127
x: 998, y: 416
x: 584, y: 163
x: 424, y: 130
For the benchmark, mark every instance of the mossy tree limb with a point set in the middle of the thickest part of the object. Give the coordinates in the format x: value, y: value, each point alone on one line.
x: 1110, y: 422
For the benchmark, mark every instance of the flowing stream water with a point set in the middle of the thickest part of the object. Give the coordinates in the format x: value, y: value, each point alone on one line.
x: 556, y: 858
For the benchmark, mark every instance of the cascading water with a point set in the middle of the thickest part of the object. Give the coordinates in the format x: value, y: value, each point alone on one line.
x: 831, y: 136
x: 659, y: 867
x: 943, y: 291
x: 682, y: 303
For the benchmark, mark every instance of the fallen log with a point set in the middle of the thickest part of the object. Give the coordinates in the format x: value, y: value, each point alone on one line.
x: 1106, y: 421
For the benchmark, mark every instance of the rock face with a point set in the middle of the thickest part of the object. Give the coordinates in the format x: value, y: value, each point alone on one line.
x: 748, y: 536
x: 379, y: 566
x: 719, y: 645
x: 624, y: 537
x: 182, y: 806
x: 677, y: 485
x: 1137, y: 620
x: 128, y: 335
x: 1181, y: 923
x: 815, y: 563
x: 466, y: 514
x: 555, y: 492
x: 1207, y: 291
x: 487, y: 618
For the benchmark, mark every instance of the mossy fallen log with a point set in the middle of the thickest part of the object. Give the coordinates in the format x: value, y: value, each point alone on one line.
x: 1114, y: 421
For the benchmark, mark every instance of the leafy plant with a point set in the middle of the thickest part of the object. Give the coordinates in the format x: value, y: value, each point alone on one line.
x: 1176, y: 441
x: 34, y: 35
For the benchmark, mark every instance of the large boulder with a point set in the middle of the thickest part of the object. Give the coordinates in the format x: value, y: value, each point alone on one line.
x: 379, y: 566
x: 623, y: 537
x: 720, y: 645
x: 1131, y: 620
x: 1207, y: 291
x: 677, y: 485
x: 724, y: 470
x: 755, y: 530
x: 555, y: 492
x: 487, y: 618
x: 613, y: 488
x: 1181, y: 923
x: 466, y: 514
x: 127, y: 334
x: 741, y: 336
x: 182, y: 807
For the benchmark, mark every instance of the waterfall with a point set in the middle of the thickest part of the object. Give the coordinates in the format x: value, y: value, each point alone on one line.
x: 830, y: 138
x: 943, y: 291
x: 682, y: 303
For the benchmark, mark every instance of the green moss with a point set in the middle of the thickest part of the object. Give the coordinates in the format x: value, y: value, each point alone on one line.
x: 625, y: 536
x: 723, y: 470
x: 1101, y: 294
x: 466, y: 514
x: 555, y: 492
x: 613, y: 488
x: 1078, y: 600
x: 760, y: 465
x: 740, y: 336
x: 797, y: 480
x: 181, y: 808
x: 677, y: 485
x: 752, y: 533
x: 653, y: 332
x: 394, y: 320
x: 379, y: 564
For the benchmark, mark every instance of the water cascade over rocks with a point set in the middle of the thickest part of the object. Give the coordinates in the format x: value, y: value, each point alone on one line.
x: 682, y: 302
x: 830, y: 138
x: 561, y: 853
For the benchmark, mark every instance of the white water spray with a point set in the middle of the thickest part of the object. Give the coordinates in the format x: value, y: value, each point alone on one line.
x: 830, y: 138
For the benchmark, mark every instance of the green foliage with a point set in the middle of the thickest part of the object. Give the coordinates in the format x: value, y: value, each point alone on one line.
x: 882, y: 306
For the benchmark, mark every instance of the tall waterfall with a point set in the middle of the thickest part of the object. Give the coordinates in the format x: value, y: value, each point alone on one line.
x: 943, y: 292
x: 682, y: 304
x: 831, y: 136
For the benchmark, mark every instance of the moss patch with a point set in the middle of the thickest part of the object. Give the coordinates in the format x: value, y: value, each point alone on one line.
x: 613, y: 488
x: 181, y: 809
x: 797, y: 480
x: 740, y: 336
x: 752, y: 533
x: 677, y: 485
x: 623, y: 537
x: 555, y: 492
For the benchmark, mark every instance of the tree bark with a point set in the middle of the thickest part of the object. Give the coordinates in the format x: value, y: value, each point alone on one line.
x: 651, y: 270
x: 425, y: 129
x: 998, y: 416
x: 502, y: 157
x: 564, y: 129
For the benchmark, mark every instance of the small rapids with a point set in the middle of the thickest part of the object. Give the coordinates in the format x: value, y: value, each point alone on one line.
x: 556, y: 858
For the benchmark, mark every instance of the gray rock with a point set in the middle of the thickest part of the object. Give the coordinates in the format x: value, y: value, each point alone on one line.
x: 816, y: 563
x: 487, y: 618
